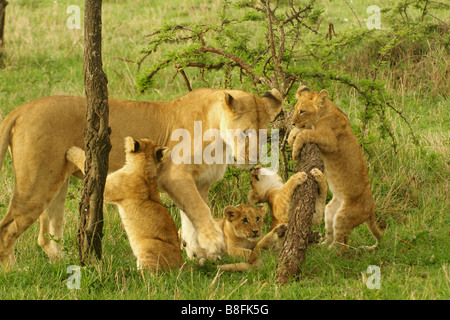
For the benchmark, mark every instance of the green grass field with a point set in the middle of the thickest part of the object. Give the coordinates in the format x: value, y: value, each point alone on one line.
x: 43, y: 57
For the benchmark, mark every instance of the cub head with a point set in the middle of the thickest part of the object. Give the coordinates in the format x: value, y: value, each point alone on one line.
x: 246, y: 220
x: 309, y: 107
x: 262, y: 180
x: 244, y: 115
x: 145, y: 154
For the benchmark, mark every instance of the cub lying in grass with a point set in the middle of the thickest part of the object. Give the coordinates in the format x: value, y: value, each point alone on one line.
x: 242, y: 229
x: 149, y: 226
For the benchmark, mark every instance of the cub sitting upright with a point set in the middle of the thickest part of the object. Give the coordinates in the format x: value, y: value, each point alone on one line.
x: 317, y: 120
x: 267, y: 186
x: 149, y: 226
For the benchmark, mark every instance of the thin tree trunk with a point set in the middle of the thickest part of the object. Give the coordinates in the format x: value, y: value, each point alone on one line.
x: 3, y: 4
x: 96, y: 135
x: 293, y: 252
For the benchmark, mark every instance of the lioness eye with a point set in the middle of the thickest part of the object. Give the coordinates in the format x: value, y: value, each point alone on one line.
x: 245, y: 220
x: 257, y: 219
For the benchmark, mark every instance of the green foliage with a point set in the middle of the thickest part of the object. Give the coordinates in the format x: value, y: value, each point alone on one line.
x: 410, y: 187
x: 265, y: 44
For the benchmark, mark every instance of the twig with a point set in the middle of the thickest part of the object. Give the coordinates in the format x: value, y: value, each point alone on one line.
x: 273, y: 50
x: 354, y: 14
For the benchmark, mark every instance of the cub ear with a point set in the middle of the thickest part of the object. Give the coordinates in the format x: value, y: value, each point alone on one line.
x: 262, y: 209
x: 160, y: 153
x: 301, y: 90
x: 273, y: 99
x: 323, y: 94
x: 131, y: 145
x: 229, y: 212
x: 253, y: 197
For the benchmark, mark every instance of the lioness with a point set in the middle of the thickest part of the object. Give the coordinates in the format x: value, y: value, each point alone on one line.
x: 317, y: 120
x: 149, y: 226
x: 242, y: 228
x: 39, y: 133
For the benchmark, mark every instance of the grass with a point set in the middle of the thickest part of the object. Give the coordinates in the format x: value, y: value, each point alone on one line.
x: 410, y: 187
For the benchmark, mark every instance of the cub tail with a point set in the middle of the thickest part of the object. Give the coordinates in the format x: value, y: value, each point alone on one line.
x: 372, y: 225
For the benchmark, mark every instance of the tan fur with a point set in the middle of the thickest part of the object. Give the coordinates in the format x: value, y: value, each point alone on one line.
x: 317, y: 120
x: 149, y: 226
x: 267, y: 186
x: 242, y: 229
x: 40, y: 132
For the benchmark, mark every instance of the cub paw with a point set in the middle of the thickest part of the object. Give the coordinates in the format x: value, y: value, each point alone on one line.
x: 292, y: 135
x: 301, y: 177
x: 315, y: 237
x: 281, y: 230
x: 317, y: 174
x: 297, y: 147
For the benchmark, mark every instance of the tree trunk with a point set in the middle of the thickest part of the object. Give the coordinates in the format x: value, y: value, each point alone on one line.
x: 293, y: 251
x: 3, y: 4
x: 96, y: 135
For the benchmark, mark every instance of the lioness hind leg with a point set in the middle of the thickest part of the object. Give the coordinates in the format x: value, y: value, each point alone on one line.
x: 22, y: 213
x: 51, y: 225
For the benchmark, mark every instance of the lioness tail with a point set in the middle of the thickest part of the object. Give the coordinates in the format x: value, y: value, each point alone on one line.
x: 5, y: 133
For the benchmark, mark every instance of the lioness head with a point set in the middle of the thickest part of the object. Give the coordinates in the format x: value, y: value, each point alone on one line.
x: 144, y: 152
x: 245, y: 114
x: 308, y: 108
x: 262, y: 180
x: 247, y: 220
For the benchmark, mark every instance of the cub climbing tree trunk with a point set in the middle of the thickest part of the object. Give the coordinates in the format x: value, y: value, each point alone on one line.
x: 96, y: 135
x: 293, y: 251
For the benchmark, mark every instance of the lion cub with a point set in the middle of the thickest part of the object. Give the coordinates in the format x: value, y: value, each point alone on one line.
x: 317, y: 120
x: 267, y: 186
x: 242, y: 229
x: 149, y: 226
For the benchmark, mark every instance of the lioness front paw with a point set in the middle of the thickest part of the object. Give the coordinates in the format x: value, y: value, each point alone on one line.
x: 211, y: 243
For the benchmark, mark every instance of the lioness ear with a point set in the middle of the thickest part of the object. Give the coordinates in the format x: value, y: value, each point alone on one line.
x: 131, y: 145
x: 255, y: 171
x: 323, y: 94
x: 301, y: 90
x: 231, y: 102
x: 160, y: 153
x: 229, y: 212
x: 273, y: 99
x: 229, y: 99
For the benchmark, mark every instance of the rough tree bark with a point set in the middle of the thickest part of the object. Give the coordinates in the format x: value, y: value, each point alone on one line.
x: 293, y: 251
x: 96, y: 135
x: 3, y: 4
